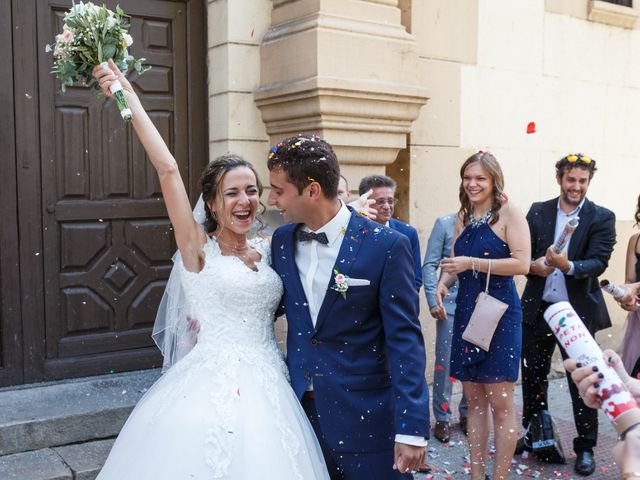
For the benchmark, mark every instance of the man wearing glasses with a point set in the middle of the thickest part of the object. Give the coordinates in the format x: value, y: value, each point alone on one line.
x: 571, y: 275
x: 384, y: 190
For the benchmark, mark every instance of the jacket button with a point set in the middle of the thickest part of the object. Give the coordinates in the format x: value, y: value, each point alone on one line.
x: 314, y: 342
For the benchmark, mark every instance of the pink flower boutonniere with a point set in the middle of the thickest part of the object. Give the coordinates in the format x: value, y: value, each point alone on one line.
x: 342, y: 283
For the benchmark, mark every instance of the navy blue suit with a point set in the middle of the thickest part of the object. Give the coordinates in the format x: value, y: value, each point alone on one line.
x: 412, y: 235
x: 366, y: 354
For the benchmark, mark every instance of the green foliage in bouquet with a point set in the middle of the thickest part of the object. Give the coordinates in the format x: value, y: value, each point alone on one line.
x: 92, y: 35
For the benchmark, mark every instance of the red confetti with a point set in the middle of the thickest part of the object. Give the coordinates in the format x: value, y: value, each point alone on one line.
x: 453, y: 380
x: 445, y: 406
x: 439, y: 367
x: 531, y: 127
x: 238, y: 391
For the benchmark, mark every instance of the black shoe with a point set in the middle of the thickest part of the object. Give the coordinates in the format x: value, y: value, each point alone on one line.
x: 463, y: 425
x: 522, y: 445
x: 441, y: 432
x: 585, y: 463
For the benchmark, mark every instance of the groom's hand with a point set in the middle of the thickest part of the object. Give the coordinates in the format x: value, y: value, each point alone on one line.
x: 408, y: 458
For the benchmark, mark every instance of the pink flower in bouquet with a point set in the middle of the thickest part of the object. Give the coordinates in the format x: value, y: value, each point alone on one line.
x: 66, y: 36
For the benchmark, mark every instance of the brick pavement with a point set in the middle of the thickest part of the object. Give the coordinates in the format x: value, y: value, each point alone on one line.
x: 449, y: 461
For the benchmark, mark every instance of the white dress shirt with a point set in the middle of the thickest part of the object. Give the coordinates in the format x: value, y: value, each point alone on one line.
x: 315, y: 263
x: 555, y: 287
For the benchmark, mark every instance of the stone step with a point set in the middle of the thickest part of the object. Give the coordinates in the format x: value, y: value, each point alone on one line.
x: 73, y: 462
x: 36, y: 417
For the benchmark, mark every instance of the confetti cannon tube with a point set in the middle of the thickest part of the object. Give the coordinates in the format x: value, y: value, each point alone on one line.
x: 616, y: 401
x: 118, y: 94
x: 616, y: 291
x: 567, y: 231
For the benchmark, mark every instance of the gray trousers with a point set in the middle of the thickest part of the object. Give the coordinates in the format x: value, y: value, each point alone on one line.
x: 442, y: 384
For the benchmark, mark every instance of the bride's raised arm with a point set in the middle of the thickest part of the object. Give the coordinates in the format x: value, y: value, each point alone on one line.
x: 189, y: 236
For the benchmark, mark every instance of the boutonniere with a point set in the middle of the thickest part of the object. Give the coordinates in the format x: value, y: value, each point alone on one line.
x: 342, y: 283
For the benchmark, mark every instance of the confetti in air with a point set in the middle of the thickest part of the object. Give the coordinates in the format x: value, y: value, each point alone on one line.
x: 531, y: 128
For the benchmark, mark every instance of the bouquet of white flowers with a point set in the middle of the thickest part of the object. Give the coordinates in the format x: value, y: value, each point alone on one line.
x: 90, y: 36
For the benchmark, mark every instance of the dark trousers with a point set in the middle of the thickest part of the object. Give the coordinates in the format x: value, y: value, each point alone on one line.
x: 352, y: 466
x: 538, y: 345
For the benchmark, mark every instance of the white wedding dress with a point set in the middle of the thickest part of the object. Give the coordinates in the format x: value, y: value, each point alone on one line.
x: 226, y: 410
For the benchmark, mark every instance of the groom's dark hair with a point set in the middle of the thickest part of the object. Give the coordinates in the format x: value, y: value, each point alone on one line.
x: 306, y: 159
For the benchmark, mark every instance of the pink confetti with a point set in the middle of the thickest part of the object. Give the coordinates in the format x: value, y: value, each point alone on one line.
x: 439, y: 367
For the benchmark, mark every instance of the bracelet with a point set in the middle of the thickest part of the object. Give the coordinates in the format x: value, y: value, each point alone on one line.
x: 474, y: 270
x: 628, y: 475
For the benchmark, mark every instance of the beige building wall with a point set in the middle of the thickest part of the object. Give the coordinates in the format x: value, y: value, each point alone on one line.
x: 235, y: 31
x: 493, y: 66
x: 488, y: 67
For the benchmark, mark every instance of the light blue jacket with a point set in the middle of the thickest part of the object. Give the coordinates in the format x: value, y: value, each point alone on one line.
x: 439, y: 247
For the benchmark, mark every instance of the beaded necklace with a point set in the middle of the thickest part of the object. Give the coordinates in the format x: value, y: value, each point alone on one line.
x: 476, y: 222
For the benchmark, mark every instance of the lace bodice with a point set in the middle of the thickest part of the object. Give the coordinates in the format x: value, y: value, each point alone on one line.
x: 233, y: 303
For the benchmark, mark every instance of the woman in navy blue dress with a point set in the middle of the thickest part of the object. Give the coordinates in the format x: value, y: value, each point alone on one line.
x: 488, y: 228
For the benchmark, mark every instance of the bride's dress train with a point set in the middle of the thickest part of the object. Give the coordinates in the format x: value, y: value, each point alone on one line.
x: 225, y: 410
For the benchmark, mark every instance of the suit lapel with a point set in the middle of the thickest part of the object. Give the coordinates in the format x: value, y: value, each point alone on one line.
x: 292, y: 277
x: 586, y: 216
x: 351, y: 243
x: 548, y: 227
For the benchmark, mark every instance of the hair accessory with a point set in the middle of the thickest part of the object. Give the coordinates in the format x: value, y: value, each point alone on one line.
x: 574, y: 157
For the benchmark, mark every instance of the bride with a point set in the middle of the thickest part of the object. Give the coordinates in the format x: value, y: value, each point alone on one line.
x: 225, y: 408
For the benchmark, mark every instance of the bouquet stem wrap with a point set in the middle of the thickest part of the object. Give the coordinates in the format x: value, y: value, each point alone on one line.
x: 118, y: 94
x: 617, y: 403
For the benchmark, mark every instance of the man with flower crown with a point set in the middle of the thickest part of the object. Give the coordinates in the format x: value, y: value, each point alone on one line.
x: 571, y: 275
x: 355, y: 349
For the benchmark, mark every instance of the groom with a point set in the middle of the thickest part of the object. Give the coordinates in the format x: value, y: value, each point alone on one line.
x: 355, y: 349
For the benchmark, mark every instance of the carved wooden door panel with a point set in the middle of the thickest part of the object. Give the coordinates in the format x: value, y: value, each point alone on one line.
x: 107, y: 243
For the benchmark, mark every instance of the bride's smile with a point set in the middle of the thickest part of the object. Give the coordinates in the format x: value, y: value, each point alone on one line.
x: 236, y: 204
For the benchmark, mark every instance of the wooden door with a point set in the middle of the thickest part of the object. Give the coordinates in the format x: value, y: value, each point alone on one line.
x: 106, y: 240
x: 10, y: 325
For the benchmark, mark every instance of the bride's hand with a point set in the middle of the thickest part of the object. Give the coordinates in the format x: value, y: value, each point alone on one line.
x: 106, y: 77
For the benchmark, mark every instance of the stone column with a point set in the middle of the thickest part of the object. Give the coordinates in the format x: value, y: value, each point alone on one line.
x: 346, y: 70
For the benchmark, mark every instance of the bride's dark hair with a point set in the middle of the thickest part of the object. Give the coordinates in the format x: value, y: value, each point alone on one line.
x: 637, y: 215
x: 211, y: 181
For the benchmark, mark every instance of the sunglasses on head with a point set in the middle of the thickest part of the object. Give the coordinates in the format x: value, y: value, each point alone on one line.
x: 575, y: 157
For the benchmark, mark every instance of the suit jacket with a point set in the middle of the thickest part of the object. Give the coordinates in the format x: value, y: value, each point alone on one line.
x: 366, y: 353
x: 412, y: 235
x: 589, y: 250
x: 439, y: 247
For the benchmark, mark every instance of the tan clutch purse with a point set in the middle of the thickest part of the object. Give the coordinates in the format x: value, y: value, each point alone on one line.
x: 485, y: 317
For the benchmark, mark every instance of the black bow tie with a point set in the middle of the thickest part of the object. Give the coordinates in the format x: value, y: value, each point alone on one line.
x: 308, y: 236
